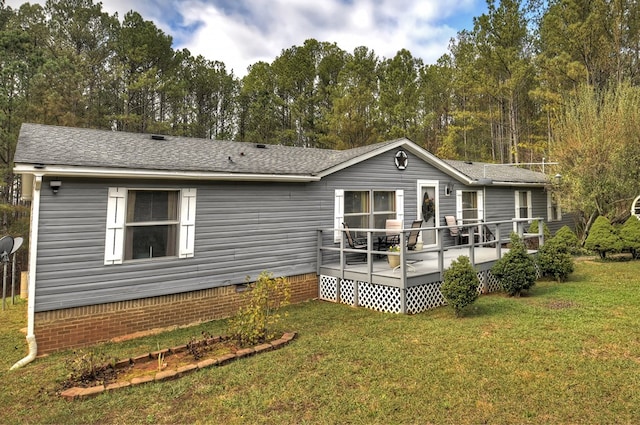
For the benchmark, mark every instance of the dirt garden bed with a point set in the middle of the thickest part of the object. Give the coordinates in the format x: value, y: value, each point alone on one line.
x: 161, y: 365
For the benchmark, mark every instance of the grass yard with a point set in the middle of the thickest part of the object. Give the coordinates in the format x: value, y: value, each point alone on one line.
x: 567, y: 353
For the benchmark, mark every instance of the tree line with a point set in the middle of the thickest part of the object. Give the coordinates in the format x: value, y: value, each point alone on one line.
x: 531, y: 80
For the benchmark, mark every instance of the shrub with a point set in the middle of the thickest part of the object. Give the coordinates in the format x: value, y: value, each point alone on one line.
x: 460, y: 286
x: 533, y: 228
x: 567, y: 239
x: 255, y: 320
x: 630, y: 233
x: 554, y: 260
x: 534, y: 243
x: 603, y: 238
x: 516, y: 270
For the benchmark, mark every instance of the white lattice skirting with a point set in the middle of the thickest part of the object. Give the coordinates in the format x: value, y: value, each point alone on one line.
x: 389, y: 299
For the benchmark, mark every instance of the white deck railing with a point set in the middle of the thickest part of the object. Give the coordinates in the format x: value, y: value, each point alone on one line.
x: 325, y: 244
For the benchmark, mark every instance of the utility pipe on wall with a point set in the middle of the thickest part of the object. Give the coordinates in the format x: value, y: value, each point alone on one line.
x: 31, y: 302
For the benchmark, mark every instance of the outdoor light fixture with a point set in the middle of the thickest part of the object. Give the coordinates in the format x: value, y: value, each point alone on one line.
x: 448, y: 189
x: 55, y: 185
x: 557, y: 179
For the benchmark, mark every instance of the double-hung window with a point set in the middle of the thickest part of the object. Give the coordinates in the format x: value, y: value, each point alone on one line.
x: 152, y: 224
x: 469, y: 206
x: 366, y: 209
x: 523, y: 204
x: 149, y: 223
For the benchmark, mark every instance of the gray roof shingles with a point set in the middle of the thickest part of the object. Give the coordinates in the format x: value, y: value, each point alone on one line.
x: 81, y: 147
x: 53, y: 145
x: 497, y: 172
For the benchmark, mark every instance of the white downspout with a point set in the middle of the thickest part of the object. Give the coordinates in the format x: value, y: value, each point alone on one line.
x: 31, y: 301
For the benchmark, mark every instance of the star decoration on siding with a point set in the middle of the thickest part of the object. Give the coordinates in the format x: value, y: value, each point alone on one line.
x: 401, y: 160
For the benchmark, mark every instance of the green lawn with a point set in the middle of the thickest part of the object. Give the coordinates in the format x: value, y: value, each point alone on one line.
x: 567, y: 353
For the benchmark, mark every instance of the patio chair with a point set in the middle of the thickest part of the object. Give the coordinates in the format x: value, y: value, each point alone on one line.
x: 488, y: 236
x: 412, y: 240
x: 454, y: 230
x: 391, y: 236
x: 355, y: 243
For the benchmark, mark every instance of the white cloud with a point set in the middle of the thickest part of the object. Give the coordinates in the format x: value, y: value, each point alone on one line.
x: 243, y: 32
x: 267, y: 27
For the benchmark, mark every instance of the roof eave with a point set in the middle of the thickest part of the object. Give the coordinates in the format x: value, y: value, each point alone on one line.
x: 120, y: 173
x: 503, y: 183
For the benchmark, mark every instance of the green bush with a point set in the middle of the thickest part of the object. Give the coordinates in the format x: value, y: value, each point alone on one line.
x: 460, y: 286
x: 630, y: 233
x: 516, y: 270
x: 533, y: 228
x: 554, y: 260
x: 603, y: 238
x: 255, y: 320
x: 567, y: 239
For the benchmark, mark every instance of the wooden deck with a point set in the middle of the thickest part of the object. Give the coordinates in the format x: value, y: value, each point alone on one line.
x: 421, y: 266
x: 364, y: 277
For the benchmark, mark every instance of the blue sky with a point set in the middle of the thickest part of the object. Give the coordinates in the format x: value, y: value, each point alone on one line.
x: 242, y: 32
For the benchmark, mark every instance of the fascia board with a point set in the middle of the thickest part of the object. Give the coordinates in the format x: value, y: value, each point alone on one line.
x: 519, y: 184
x: 98, y: 172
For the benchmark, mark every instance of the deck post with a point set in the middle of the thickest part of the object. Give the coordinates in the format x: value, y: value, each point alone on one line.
x: 356, y: 302
x: 369, y: 256
x: 318, y: 251
x: 484, y: 282
x: 472, y: 246
x: 343, y: 261
x: 540, y: 233
x: 441, y: 258
x: 403, y: 273
x: 498, y: 242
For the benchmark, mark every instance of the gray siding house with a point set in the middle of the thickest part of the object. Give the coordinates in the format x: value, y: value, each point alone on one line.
x: 132, y: 232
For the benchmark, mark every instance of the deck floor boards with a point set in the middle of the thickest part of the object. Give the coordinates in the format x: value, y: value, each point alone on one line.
x: 422, y: 266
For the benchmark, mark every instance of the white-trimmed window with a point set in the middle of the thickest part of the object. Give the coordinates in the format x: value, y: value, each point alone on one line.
x: 367, y: 208
x: 469, y: 206
x: 524, y: 208
x: 554, y: 212
x: 149, y: 223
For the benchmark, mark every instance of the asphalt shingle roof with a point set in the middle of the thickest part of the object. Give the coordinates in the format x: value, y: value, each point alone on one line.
x: 53, y: 145
x: 81, y: 147
x: 497, y: 172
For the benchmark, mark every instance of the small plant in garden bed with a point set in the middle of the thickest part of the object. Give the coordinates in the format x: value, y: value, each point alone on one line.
x: 256, y: 320
x: 88, y: 367
x: 163, y: 364
x: 198, y: 348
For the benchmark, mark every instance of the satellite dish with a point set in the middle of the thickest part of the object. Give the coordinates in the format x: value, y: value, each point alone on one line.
x: 17, y: 243
x: 6, y: 245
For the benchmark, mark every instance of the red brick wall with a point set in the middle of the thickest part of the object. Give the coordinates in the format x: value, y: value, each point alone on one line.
x: 82, y: 326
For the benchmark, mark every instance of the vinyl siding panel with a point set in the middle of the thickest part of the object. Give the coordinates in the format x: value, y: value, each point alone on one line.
x: 241, y: 229
x: 500, y: 204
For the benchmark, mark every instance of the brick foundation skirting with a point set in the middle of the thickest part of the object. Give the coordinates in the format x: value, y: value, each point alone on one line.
x: 81, y: 326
